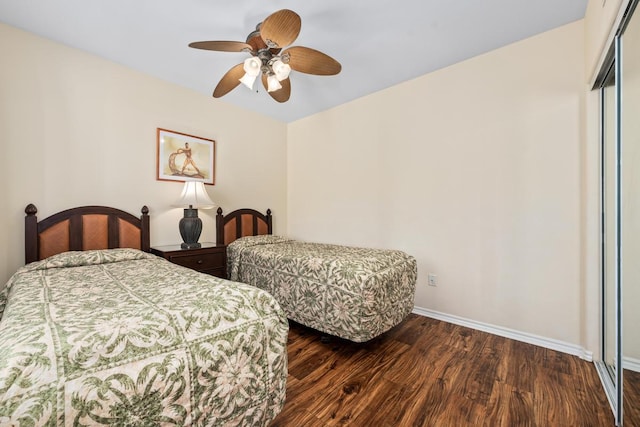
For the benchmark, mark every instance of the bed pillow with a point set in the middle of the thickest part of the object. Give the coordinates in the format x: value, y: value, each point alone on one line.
x: 264, y: 239
x: 84, y: 258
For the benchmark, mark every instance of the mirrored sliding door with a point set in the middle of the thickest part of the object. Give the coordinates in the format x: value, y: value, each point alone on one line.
x: 609, y: 232
x: 619, y: 85
x: 630, y: 217
x: 609, y: 215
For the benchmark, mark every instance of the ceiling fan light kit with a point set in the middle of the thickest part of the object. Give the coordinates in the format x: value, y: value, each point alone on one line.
x: 265, y: 45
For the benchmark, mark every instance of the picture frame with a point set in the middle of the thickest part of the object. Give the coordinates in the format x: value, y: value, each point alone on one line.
x: 182, y: 157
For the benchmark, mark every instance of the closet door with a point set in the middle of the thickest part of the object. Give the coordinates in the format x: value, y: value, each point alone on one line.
x: 609, y: 231
x: 609, y: 203
x: 619, y: 84
x: 630, y: 216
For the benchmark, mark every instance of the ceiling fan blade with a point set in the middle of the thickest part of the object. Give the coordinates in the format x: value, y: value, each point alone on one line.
x: 229, y: 81
x: 311, y: 61
x: 282, y: 94
x: 280, y: 28
x: 222, y: 46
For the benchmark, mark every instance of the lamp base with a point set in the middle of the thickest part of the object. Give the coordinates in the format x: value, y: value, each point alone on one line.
x: 190, y: 245
x: 190, y: 227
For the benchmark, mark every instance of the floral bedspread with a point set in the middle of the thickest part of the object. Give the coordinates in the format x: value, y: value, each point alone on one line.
x: 353, y: 293
x: 122, y: 337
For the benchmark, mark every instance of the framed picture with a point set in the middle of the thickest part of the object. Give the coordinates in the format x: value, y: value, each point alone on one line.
x: 182, y: 157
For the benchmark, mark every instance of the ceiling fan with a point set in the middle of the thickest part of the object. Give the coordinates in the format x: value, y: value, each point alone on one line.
x: 265, y: 45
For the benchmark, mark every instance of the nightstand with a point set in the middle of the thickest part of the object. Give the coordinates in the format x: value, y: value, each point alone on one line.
x: 210, y: 258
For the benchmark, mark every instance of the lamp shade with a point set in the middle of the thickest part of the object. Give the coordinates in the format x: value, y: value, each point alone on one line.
x: 281, y: 70
x: 248, y: 80
x: 251, y: 68
x: 194, y: 195
x: 273, y: 84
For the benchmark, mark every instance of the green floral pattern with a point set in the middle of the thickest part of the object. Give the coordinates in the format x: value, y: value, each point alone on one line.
x: 122, y: 337
x: 353, y: 293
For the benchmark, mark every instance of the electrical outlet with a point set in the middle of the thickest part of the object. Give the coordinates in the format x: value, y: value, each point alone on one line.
x: 432, y: 279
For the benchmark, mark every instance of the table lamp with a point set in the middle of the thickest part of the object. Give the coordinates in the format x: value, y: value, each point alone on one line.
x: 194, y: 196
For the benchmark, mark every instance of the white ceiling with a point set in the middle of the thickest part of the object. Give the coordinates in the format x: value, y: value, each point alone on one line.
x: 378, y: 42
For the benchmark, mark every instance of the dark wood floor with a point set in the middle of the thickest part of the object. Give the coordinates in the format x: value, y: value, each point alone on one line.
x: 631, y: 405
x: 430, y: 373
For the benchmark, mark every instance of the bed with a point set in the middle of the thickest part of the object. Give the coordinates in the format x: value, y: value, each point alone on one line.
x: 353, y: 293
x: 94, y: 330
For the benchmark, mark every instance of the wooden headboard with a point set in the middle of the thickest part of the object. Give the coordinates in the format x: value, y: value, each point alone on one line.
x: 83, y: 228
x: 241, y: 223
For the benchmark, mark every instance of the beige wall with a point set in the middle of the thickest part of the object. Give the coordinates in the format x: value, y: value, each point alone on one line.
x: 79, y: 130
x: 474, y: 169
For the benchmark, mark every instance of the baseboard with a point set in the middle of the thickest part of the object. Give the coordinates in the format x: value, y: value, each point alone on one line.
x: 549, y: 343
x: 631, y: 364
